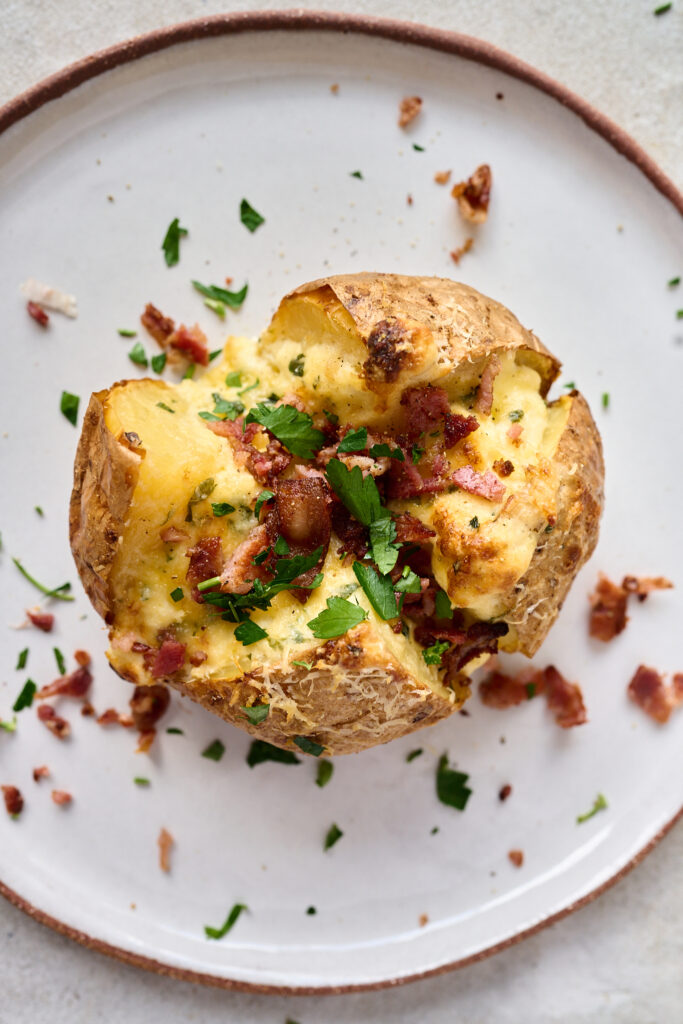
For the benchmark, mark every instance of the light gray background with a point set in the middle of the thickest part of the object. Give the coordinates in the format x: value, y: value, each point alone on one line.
x: 618, y: 960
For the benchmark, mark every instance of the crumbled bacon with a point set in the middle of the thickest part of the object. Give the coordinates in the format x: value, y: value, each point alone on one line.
x: 59, y: 727
x: 503, y: 467
x: 172, y: 535
x: 608, y: 615
x: 41, y: 772
x: 82, y: 658
x: 457, y: 254
x: 504, y: 792
x: 648, y: 690
x: 352, y: 534
x: 61, y: 797
x: 474, y: 195
x: 168, y: 659
x: 423, y: 920
x: 159, y: 326
x: 145, y: 741
x: 75, y: 684
x: 148, y: 704
x: 190, y: 342
x: 206, y: 562
x: 165, y: 843
x: 501, y: 691
x: 429, y: 631
x: 486, y: 485
x: 484, y: 399
x: 197, y: 658
x: 14, y: 801
x: 516, y: 857
x: 87, y: 710
x: 641, y: 586
x: 457, y: 426
x: 302, y: 517
x: 113, y: 717
x: 442, y: 177
x: 41, y: 620
x: 266, y: 465
x: 411, y: 530
x: 409, y: 108
x: 514, y: 432
x: 426, y: 408
x: 409, y: 199
x: 239, y: 571
x: 37, y: 313
x: 482, y: 638
x: 565, y: 699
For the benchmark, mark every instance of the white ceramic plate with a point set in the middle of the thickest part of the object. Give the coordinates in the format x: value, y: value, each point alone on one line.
x: 580, y: 245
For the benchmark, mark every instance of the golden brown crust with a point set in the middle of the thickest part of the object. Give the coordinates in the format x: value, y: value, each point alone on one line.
x: 571, y: 542
x: 105, y: 475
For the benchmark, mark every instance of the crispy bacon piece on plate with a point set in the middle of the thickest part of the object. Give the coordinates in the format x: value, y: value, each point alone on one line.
x: 41, y: 620
x: 165, y: 843
x: 409, y: 108
x: 302, y: 517
x: 608, y: 615
x: 41, y: 772
x: 75, y: 684
x: 14, y: 801
x: 159, y: 326
x: 61, y: 797
x: 59, y: 727
x: 642, y: 586
x: 37, y: 313
x: 148, y: 704
x: 565, y: 699
x: 648, y: 690
x: 191, y: 342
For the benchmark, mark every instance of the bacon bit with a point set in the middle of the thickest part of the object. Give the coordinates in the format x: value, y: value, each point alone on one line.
x: 191, y: 342
x: 474, y: 195
x: 75, y: 684
x: 457, y: 254
x: 41, y: 772
x: 82, y: 658
x: 265, y: 466
x: 239, y: 571
x: 206, y: 561
x: 504, y: 792
x: 503, y: 467
x: 172, y: 535
x: 165, y: 842
x: 515, y: 431
x: 486, y: 485
x: 501, y: 691
x: 352, y: 534
x: 87, y: 710
x: 148, y: 704
x: 145, y: 741
x: 334, y: 88
x: 14, y: 801
x: 411, y: 530
x: 113, y: 717
x: 422, y: 920
x: 197, y: 658
x: 648, y: 690
x: 168, y: 659
x: 159, y: 326
x: 426, y: 408
x: 58, y: 726
x: 409, y: 108
x: 565, y: 699
x: 41, y: 620
x: 37, y: 313
x: 409, y: 199
x: 516, y: 857
x: 229, y: 280
x: 456, y: 427
x: 482, y: 638
x: 404, y: 480
x: 608, y: 615
x: 61, y: 797
x: 641, y: 586
x: 442, y: 177
x: 484, y: 399
x: 48, y: 295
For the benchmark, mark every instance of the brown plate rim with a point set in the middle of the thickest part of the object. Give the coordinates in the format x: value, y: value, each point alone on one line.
x: 445, y: 41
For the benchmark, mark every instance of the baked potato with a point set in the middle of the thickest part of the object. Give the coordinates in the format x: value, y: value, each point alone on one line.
x: 320, y: 537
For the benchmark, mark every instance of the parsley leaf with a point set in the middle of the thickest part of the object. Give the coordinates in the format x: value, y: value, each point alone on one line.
x: 382, y: 542
x: 124, y: 332
x: 474, y: 522
x: 530, y: 690
x: 249, y: 632
x: 674, y: 282
x: 22, y: 659
x: 59, y: 658
x: 281, y: 546
x: 25, y: 698
x: 234, y: 379
x: 379, y: 451
x: 214, y: 751
x: 158, y: 362
x: 257, y: 713
x: 413, y: 754
x: 356, y: 174
x: 324, y: 774
x: 338, y: 618
x: 260, y: 751
x: 292, y: 428
x: 200, y: 493
x: 171, y: 242
x: 308, y: 665
x: 416, y: 454
x: 450, y: 785
x: 177, y: 594
x: 418, y: 149
x: 263, y: 497
x: 432, y: 655
x: 212, y: 291
x: 189, y: 372
x: 296, y: 366
x: 222, y: 508
x: 354, y: 441
x: 605, y: 399
x: 308, y: 746
x: 140, y: 780
x: 409, y: 583
x: 173, y: 731
x: 69, y: 406
x: 218, y: 933
x: 599, y: 804
x: 358, y: 493
x: 223, y: 409
x: 443, y: 606
x: 250, y: 217
x: 378, y: 589
x: 334, y: 834
x: 262, y: 594
x: 137, y: 355
x: 166, y: 408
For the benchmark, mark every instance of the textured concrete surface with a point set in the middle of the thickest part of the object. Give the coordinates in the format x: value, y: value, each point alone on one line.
x: 619, y: 959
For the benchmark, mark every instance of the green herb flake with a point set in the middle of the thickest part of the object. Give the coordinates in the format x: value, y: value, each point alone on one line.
x: 331, y: 416
x: 218, y: 933
x: 605, y: 399
x: 250, y: 217
x: 200, y: 493
x: 174, y: 731
x: 166, y: 408
x: 38, y: 509
x: 308, y: 746
x: 674, y: 282
x: 383, y: 544
x: 413, y: 754
x: 177, y: 594
x: 251, y: 388
x: 59, y: 658
x: 323, y: 774
x: 379, y: 590
x: 432, y: 655
x: 354, y: 441
x: 22, y: 659
x: 261, y: 594
x: 679, y: 314
x: 334, y: 834
x: 263, y: 497
x: 9, y: 726
x: 599, y: 804
x: 292, y: 428
x: 234, y: 379
x: 338, y: 618
x: 257, y: 713
x: 140, y: 780
x: 69, y: 406
x: 221, y: 508
x: 25, y: 698
x: 213, y: 355
x: 474, y: 522
x: 308, y: 665
x: 450, y: 785
x: 171, y: 242
x: 434, y: 830
x: 260, y: 751
x: 312, y: 910
x: 356, y: 174
x: 124, y: 332
x: 212, y: 291
x: 249, y: 632
x: 383, y: 451
x: 358, y: 493
x: 56, y: 592
x: 409, y: 582
x: 443, y: 605
x: 662, y: 9
x: 281, y: 547
x: 418, y: 149
x: 296, y: 366
x: 158, y: 362
x: 416, y: 454
x: 216, y: 306
x: 214, y: 751
x: 516, y: 415
x: 530, y: 690
x: 223, y: 409
x: 137, y: 355
x: 189, y: 372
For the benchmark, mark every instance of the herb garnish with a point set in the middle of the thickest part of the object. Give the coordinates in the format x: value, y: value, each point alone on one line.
x: 249, y: 632
x: 570, y: 384
x: 338, y: 618
x: 432, y: 655
x: 296, y: 365
x: 251, y: 388
x: 222, y: 508
x: 200, y: 493
x: 292, y: 428
x: 263, y: 497
x: 323, y: 776
x: 354, y: 441
x: 262, y: 594
x: 218, y: 933
x: 599, y: 804
x: 474, y: 522
x: 234, y: 379
x: 9, y: 726
x: 223, y: 409
x: 443, y: 605
x: 530, y: 690
x: 358, y: 493
x: 308, y: 746
x: 218, y: 294
x: 140, y: 780
x: 26, y: 695
x: 379, y: 590
x: 158, y: 362
x: 334, y: 834
x: 69, y: 406
x: 189, y: 372
x: 674, y: 282
x: 166, y: 408
x: 378, y: 451
x: 356, y: 174
x: 22, y: 659
x: 281, y: 547
x: 55, y: 592
x: 331, y: 416
x: 173, y: 731
x: 418, y: 149
x: 450, y: 785
x: 679, y: 314
x: 516, y: 415
x: 312, y: 910
x: 383, y: 543
x: 260, y: 751
x: 605, y: 399
x: 214, y: 751
x: 125, y: 333
x: 416, y: 454
x: 61, y: 663
x: 250, y: 217
x: 171, y: 242
x: 662, y: 9
x: 216, y: 307
x: 257, y: 713
x: 413, y: 754
x: 137, y: 355
x: 38, y: 509
x: 216, y: 352
x: 177, y: 594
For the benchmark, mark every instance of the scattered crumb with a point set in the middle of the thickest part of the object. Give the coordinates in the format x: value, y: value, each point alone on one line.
x: 61, y: 797
x: 409, y: 199
x: 409, y: 108
x: 229, y: 280
x: 456, y: 254
x: 474, y: 195
x: 41, y: 772
x: 464, y: 712
x: 442, y: 177
x: 110, y: 199
x: 504, y: 792
x: 620, y: 227
x: 516, y: 857
x: 499, y: 96
x: 334, y: 89
x: 14, y: 801
x: 422, y: 920
x: 165, y: 842
x: 133, y: 906
x: 87, y: 710
x: 50, y: 297
x: 82, y: 658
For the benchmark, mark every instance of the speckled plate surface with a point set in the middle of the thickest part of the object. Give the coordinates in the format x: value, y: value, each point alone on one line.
x: 580, y: 244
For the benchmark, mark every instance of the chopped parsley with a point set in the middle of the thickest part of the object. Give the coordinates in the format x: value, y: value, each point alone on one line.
x: 9, y: 726
x: 334, y: 834
x: 218, y: 933
x: 292, y: 428
x: 174, y: 731
x: 251, y: 388
x: 69, y: 406
x: 474, y: 522
x: 261, y: 557
x: 354, y: 441
x: 216, y: 307
x: 221, y: 508
x: 450, y: 785
x: 262, y: 594
x: 516, y: 415
x: 409, y: 582
x: 216, y: 352
x: 418, y: 149
x: 189, y: 372
x: 323, y: 776
x: 223, y: 409
x: 26, y: 695
x: 434, y: 830
x: 263, y: 497
x: 312, y: 910
x: 662, y: 9
x: 383, y: 543
x: 38, y: 509
x: 378, y: 451
x: 530, y: 690
x: 214, y: 751
x: 257, y: 713
x: 137, y: 355
x: 432, y: 655
x: 605, y: 399
x: 212, y: 291
x: 308, y: 746
x: 158, y: 362
x: 260, y: 751
x: 296, y: 366
x: 356, y: 174
x: 416, y: 454
x: 599, y: 804
x: 234, y: 379
x: 679, y: 314
x: 177, y: 594
x: 140, y: 780
x: 200, y: 493
x: 281, y: 547
x: 61, y: 663
x: 171, y: 242
x: 674, y: 282
x: 331, y: 416
x: 338, y: 618
x: 379, y: 590
x: 249, y: 632
x: 443, y: 605
x: 413, y: 754
x: 570, y: 385
x: 308, y: 665
x: 22, y: 659
x: 358, y: 493
x: 54, y: 592
x: 124, y: 332
x: 250, y: 217
x: 166, y: 408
